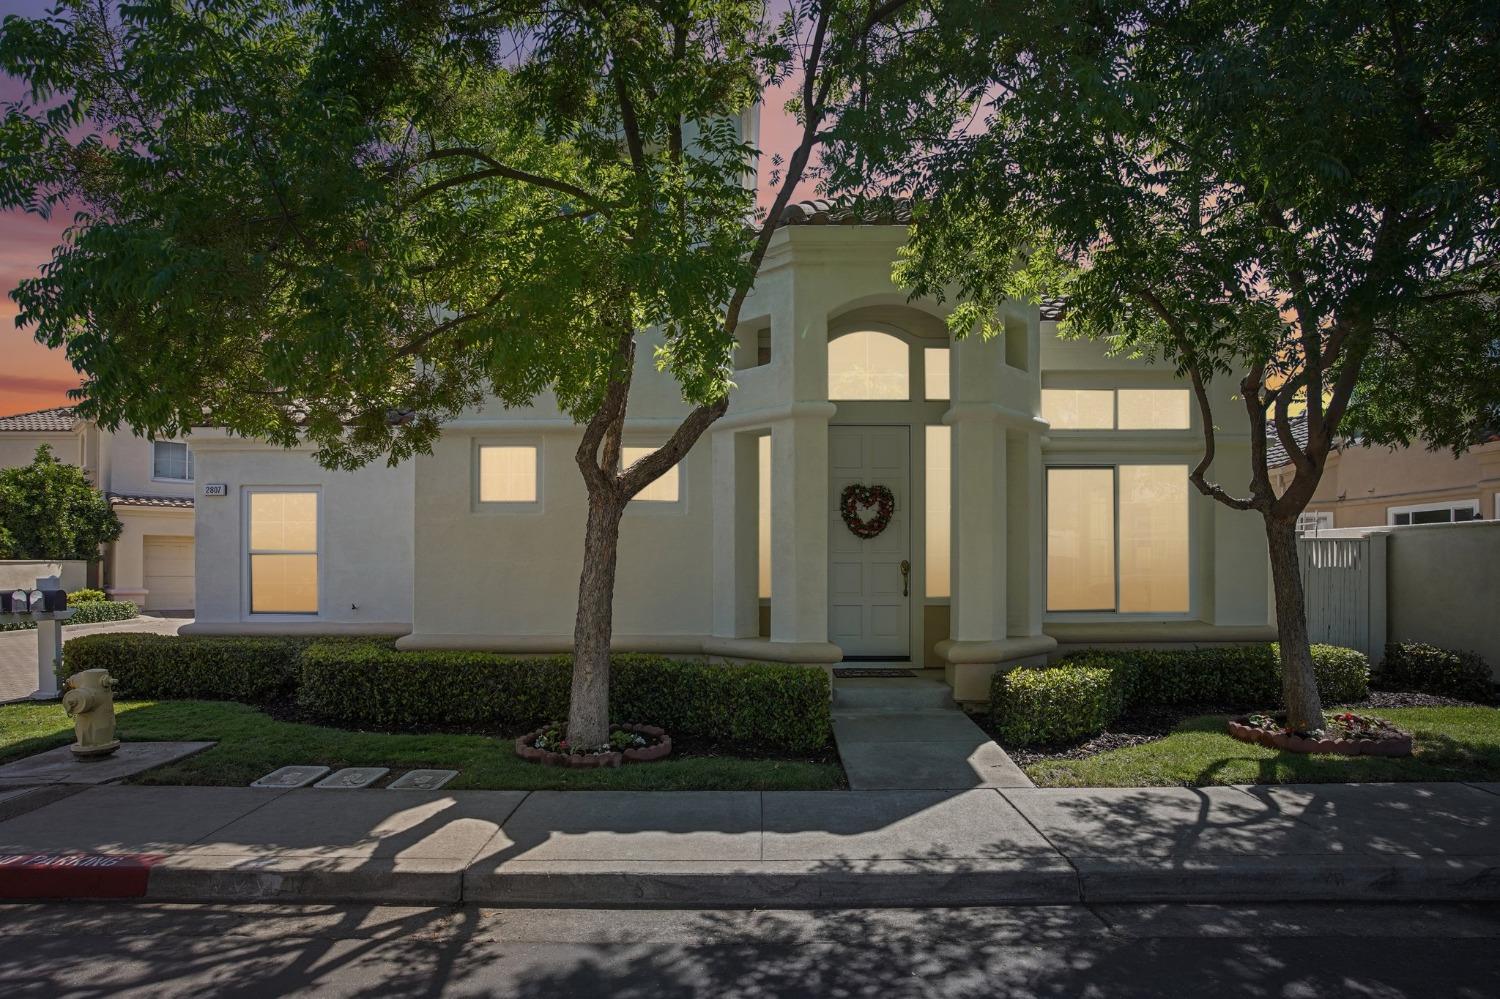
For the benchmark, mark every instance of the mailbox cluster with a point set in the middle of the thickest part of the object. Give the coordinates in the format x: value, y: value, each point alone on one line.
x: 33, y: 601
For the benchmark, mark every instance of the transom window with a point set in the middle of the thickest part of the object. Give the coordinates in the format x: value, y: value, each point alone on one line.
x: 171, y: 460
x: 1117, y: 539
x: 1111, y: 409
x: 868, y: 364
x: 1446, y: 512
x: 283, y: 552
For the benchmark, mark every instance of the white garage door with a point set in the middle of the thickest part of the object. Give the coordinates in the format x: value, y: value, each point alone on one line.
x: 169, y: 573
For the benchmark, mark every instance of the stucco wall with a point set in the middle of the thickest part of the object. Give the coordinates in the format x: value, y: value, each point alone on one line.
x: 130, y: 467
x: 23, y: 573
x: 20, y: 448
x: 1360, y: 484
x: 366, y: 540
x: 1443, y: 587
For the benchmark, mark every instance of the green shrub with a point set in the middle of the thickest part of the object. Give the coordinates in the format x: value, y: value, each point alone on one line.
x: 1416, y: 666
x: 253, y: 669
x: 99, y: 611
x: 86, y: 596
x: 759, y: 705
x: 1235, y: 675
x: 93, y: 612
x: 1055, y: 704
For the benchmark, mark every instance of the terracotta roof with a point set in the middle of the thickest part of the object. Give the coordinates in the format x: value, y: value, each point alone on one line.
x: 1276, y: 455
x: 169, y: 502
x: 817, y: 211
x: 60, y: 418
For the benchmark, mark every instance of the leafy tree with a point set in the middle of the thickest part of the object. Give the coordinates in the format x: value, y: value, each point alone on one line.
x: 50, y: 510
x: 345, y: 222
x: 1297, y: 194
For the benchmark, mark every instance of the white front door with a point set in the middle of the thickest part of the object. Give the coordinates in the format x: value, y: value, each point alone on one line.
x: 869, y: 580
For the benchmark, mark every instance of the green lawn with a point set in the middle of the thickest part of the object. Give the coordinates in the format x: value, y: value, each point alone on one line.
x: 1451, y: 744
x: 251, y: 744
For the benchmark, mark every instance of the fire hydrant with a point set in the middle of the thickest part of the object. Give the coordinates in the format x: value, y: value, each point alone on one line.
x: 90, y: 702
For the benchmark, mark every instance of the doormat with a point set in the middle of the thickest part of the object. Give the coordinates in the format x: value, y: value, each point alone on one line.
x: 850, y: 672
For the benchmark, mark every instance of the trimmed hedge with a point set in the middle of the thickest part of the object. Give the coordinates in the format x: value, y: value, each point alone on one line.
x: 1069, y: 701
x: 1238, y: 675
x: 767, y: 705
x: 1417, y: 666
x: 1037, y: 707
x: 253, y: 669
x: 89, y: 612
x: 86, y: 596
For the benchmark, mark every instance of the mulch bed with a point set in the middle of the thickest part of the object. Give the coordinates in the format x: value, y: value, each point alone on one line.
x: 1150, y: 724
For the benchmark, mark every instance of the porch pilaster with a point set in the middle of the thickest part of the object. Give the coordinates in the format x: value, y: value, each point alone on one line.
x: 736, y: 495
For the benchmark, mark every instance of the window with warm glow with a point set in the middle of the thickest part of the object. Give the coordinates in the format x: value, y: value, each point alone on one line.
x: 868, y: 365
x: 1153, y: 538
x: 935, y: 373
x: 664, y: 489
x: 1153, y: 409
x: 763, y: 528
x: 507, y: 474
x: 939, y: 509
x: 1117, y: 539
x: 1079, y: 409
x: 283, y: 552
x: 1080, y: 539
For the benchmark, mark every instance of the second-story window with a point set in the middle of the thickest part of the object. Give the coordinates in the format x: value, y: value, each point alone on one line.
x: 171, y: 460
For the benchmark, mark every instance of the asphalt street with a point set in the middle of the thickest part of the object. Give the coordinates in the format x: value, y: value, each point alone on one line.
x: 1313, y: 951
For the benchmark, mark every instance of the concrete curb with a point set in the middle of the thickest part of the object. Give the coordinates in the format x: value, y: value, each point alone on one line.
x: 797, y: 884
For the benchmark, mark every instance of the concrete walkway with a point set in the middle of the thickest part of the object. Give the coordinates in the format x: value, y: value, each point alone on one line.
x: 18, y: 648
x: 1430, y: 842
x: 905, y: 733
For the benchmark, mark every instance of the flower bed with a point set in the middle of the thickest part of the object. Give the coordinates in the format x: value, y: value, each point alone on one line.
x: 1347, y: 734
x: 627, y: 744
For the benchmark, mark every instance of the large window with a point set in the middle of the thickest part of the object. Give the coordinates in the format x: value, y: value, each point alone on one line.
x: 664, y: 489
x: 935, y: 374
x: 507, y: 473
x: 939, y: 509
x: 283, y: 552
x: 1117, y: 539
x: 1109, y: 409
x: 171, y: 460
x: 1446, y: 512
x: 868, y: 365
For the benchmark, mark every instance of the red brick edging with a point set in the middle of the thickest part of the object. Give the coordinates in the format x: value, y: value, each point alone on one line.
x: 644, y: 754
x: 1290, y: 741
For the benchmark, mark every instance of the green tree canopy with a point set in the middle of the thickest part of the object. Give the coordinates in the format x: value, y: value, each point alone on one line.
x: 1299, y: 195
x: 343, y: 222
x: 50, y: 510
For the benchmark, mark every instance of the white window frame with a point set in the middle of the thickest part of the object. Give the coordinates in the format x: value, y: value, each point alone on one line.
x: 187, y: 449
x: 650, y: 506
x: 1392, y: 511
x: 478, y: 505
x: 1114, y: 427
x: 1313, y: 521
x: 246, y: 552
x: 1085, y: 615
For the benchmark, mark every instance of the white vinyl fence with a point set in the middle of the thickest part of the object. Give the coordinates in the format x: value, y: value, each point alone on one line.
x: 1344, y: 585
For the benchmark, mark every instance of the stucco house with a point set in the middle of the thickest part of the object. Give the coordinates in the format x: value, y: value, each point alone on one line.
x: 1394, y: 487
x: 149, y: 485
x: 1039, y: 488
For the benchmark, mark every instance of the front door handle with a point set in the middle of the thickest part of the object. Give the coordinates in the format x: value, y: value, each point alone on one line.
x: 905, y: 577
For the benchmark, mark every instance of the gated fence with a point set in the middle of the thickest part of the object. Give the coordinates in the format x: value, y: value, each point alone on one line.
x: 1344, y: 585
x: 1437, y: 583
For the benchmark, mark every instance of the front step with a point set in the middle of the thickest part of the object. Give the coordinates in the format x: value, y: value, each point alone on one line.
x: 897, y: 694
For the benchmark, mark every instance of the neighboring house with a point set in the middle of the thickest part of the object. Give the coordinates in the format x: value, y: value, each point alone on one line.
x: 1386, y: 487
x: 149, y: 484
x: 1040, y: 497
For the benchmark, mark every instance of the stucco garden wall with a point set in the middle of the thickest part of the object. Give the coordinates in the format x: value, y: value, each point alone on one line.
x: 1443, y: 587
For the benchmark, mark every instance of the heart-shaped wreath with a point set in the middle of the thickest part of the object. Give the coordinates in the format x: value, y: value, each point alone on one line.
x: 856, y: 496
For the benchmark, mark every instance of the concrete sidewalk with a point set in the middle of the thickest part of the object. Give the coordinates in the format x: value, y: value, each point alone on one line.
x: 1329, y: 842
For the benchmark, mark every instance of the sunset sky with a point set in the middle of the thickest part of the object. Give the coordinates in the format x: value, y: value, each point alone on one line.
x: 34, y: 377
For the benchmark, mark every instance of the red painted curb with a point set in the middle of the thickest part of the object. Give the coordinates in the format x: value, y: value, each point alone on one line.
x: 76, y: 875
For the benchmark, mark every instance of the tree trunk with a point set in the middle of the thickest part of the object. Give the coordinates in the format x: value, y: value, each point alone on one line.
x: 588, y: 711
x: 1299, y: 685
